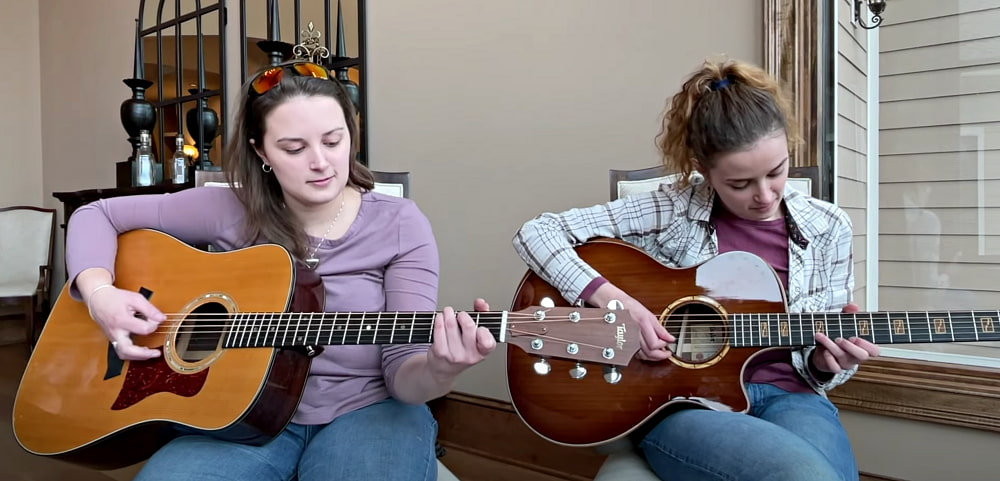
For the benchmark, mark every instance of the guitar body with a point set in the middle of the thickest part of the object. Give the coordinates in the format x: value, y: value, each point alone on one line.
x: 79, y: 402
x: 591, y: 411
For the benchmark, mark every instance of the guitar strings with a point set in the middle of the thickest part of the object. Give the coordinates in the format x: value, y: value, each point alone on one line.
x: 325, y: 325
x: 746, y: 334
x: 242, y: 325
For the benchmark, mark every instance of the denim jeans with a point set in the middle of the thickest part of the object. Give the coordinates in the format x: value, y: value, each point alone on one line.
x: 785, y: 437
x: 389, y: 440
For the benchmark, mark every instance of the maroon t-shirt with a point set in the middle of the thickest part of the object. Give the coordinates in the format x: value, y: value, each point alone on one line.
x: 767, y: 239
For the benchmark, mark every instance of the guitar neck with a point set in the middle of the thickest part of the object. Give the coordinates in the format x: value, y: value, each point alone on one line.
x: 285, y: 329
x: 903, y: 327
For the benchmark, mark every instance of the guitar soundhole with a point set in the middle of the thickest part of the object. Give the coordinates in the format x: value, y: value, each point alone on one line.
x: 701, y: 333
x: 200, y: 335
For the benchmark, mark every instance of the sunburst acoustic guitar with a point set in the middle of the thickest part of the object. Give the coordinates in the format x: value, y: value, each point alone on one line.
x: 723, y: 312
x: 241, y: 329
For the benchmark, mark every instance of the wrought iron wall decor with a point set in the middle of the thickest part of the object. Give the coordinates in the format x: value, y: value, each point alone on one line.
x: 171, y: 97
x: 179, y: 77
x: 876, y: 7
x: 137, y: 113
x: 306, y: 18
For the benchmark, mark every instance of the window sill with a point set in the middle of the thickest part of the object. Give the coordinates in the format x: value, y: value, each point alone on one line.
x: 966, y: 396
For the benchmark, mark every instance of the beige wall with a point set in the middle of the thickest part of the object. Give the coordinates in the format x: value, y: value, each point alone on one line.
x: 505, y: 109
x: 82, y: 134
x: 20, y: 108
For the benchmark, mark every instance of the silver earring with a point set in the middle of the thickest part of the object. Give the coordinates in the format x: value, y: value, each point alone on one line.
x: 696, y: 178
x: 266, y: 168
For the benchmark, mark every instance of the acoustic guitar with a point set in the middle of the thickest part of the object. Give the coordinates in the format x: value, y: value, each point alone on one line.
x: 241, y: 329
x: 723, y: 312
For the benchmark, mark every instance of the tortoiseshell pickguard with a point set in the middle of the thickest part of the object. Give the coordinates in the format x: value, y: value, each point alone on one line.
x: 145, y: 378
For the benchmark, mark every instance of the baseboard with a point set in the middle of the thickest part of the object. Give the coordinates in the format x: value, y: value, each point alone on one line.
x: 877, y: 477
x: 491, y: 429
x: 486, y: 440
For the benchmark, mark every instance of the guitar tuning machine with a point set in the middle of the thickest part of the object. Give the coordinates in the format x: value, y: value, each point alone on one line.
x: 615, y: 305
x: 612, y: 375
x: 578, y: 372
x: 547, y: 302
x: 542, y: 367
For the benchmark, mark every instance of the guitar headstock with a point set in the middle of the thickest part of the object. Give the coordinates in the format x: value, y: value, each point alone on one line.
x: 603, y: 336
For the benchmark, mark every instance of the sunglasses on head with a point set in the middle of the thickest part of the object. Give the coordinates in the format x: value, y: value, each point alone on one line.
x: 271, y: 77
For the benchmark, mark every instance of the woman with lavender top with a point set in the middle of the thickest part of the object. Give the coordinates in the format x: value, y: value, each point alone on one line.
x: 292, y: 154
x: 727, y: 133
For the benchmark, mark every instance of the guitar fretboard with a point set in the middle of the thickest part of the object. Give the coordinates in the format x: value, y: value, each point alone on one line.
x: 277, y: 329
x: 799, y: 329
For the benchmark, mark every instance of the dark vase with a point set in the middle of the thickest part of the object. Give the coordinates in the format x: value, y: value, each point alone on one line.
x: 137, y: 113
x: 208, y: 124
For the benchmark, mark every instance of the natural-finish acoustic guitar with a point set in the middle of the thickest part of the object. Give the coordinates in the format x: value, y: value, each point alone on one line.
x: 723, y: 312
x: 236, y: 347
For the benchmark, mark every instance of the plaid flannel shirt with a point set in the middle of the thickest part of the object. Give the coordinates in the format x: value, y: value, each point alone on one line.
x: 674, y: 227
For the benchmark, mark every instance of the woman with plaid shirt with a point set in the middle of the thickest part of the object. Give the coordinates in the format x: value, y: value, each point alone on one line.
x: 727, y: 133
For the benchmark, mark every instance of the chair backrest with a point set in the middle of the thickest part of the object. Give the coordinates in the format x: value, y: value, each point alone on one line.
x: 388, y: 183
x: 625, y: 182
x: 27, y: 238
x: 801, y: 184
x: 210, y: 178
x: 392, y: 183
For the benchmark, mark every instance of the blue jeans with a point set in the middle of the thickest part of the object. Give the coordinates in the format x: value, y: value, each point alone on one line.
x: 389, y: 440
x: 785, y: 437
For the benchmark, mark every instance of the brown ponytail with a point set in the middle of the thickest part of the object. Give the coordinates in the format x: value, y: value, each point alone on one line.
x: 723, y: 107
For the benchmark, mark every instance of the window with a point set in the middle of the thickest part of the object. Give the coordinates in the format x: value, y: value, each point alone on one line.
x: 917, y: 168
x: 938, y: 166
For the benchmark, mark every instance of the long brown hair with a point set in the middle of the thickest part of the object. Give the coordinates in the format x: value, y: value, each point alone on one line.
x: 725, y: 106
x: 266, y: 215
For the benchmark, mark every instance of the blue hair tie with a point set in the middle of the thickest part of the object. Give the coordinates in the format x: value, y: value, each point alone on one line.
x: 720, y: 84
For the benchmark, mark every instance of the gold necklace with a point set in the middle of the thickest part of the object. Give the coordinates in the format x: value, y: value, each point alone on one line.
x: 313, y: 261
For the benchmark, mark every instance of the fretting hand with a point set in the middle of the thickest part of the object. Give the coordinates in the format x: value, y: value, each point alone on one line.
x: 458, y: 344
x: 834, y: 356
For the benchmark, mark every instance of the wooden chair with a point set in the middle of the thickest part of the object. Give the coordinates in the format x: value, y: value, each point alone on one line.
x: 27, y: 241
x: 625, y: 182
x: 392, y: 183
x: 389, y: 183
x: 211, y: 178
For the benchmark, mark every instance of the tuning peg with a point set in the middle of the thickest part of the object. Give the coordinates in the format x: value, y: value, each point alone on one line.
x: 612, y: 375
x: 615, y: 305
x: 578, y: 372
x: 542, y: 367
x: 547, y: 302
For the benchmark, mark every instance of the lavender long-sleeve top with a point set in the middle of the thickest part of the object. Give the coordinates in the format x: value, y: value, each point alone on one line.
x: 387, y: 261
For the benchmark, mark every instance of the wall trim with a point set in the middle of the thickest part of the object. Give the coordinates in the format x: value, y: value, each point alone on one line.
x: 791, y: 50
x: 872, y: 180
x: 953, y: 394
x: 491, y: 429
